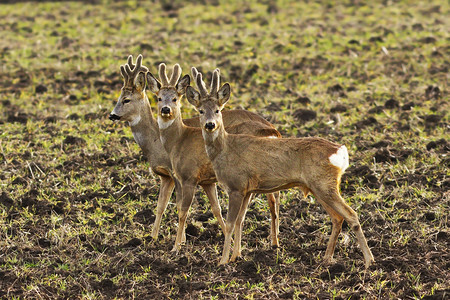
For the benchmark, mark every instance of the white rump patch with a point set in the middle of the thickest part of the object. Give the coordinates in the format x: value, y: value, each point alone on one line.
x: 272, y: 137
x: 135, y: 120
x: 340, y: 158
x: 164, y: 124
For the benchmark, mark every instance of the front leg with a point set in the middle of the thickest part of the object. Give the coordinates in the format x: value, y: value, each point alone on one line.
x: 165, y: 190
x: 183, y: 204
x: 239, y: 225
x: 211, y: 192
x: 234, y: 206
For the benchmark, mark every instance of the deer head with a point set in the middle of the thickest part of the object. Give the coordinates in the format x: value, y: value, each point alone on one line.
x: 208, y: 104
x: 168, y: 92
x: 132, y: 97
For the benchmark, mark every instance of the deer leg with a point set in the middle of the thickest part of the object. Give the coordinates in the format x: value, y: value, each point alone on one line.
x: 274, y: 205
x: 278, y: 201
x: 179, y: 200
x: 165, y: 190
x: 234, y: 206
x: 211, y: 192
x: 238, y: 229
x: 336, y: 220
x: 335, y: 201
x: 187, y: 195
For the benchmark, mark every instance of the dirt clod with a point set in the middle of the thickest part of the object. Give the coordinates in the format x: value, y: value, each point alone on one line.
x: 145, y: 216
x: 192, y: 230
x: 44, y: 243
x: 41, y: 89
x: 134, y: 242
x: 74, y: 140
x: 303, y: 100
x: 304, y: 115
x: 338, y: 108
x: 391, y: 103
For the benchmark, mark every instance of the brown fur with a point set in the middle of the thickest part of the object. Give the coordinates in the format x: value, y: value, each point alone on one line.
x: 185, y: 147
x: 146, y: 132
x: 246, y: 164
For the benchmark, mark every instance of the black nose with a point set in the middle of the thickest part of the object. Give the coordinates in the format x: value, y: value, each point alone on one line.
x: 114, y: 117
x: 210, y: 125
x: 165, y: 110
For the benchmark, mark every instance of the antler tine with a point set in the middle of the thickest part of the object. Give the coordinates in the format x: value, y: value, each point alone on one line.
x: 133, y: 69
x: 138, y: 63
x: 215, y: 82
x: 124, y: 74
x: 128, y: 71
x: 194, y: 73
x: 176, y: 73
x: 163, y: 75
x: 139, y: 67
x: 130, y: 61
x: 201, y: 85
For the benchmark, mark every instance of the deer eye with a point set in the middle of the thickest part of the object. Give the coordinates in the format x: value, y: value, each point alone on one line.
x: 201, y: 111
x: 126, y: 101
x: 174, y: 100
x: 159, y: 99
x: 217, y: 111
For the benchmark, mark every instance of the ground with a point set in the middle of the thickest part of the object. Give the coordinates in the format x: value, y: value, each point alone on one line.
x: 77, y: 200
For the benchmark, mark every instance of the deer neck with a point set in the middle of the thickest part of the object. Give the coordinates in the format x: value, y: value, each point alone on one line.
x: 171, y: 131
x: 215, y: 142
x: 146, y: 134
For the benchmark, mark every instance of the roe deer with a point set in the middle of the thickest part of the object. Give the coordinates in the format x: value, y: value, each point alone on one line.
x: 134, y: 107
x: 247, y: 164
x: 186, y: 150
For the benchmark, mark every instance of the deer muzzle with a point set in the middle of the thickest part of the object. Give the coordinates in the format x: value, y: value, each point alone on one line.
x: 114, y: 117
x: 165, y: 111
x: 210, y: 126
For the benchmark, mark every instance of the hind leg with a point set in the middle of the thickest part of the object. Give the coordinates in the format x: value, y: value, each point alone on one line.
x: 333, y: 199
x: 274, y: 205
x: 336, y: 220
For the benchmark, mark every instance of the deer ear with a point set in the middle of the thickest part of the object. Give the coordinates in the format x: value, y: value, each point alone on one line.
x: 182, y: 84
x: 153, y: 83
x: 139, y: 81
x: 193, y: 96
x: 224, y: 94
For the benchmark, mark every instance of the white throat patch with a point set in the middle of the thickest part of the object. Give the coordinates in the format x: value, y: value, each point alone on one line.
x: 209, y: 136
x: 135, y: 120
x: 340, y: 158
x: 164, y: 124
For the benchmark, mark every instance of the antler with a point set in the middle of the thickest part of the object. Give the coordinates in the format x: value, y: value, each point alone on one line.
x: 201, y: 86
x: 163, y: 74
x: 130, y: 70
x: 215, y: 82
x: 176, y: 73
x: 197, y: 78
